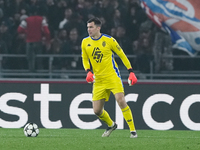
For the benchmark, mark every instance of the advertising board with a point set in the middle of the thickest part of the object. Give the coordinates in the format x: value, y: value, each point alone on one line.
x: 64, y: 104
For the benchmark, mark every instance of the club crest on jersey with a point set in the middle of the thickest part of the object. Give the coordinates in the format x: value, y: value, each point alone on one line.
x: 103, y: 43
x: 97, y: 55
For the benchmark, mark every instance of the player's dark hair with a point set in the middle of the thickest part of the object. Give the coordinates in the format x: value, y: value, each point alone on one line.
x: 96, y: 21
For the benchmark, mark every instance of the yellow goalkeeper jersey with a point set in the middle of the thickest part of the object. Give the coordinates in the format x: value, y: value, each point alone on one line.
x: 99, y: 53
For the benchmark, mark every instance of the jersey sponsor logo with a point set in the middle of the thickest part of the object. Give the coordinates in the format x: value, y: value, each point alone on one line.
x: 97, y: 55
x: 88, y: 45
x: 129, y: 120
x: 118, y: 47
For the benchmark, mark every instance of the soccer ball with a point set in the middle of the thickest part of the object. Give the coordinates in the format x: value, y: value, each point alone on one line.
x: 31, y: 130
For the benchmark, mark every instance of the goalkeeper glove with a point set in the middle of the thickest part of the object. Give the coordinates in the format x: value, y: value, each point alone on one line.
x: 132, y: 79
x: 90, y: 76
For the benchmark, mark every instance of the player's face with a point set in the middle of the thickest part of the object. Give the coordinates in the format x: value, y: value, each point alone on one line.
x: 93, y: 30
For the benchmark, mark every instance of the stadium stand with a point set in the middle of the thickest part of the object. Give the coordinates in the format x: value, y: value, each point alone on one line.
x: 148, y: 48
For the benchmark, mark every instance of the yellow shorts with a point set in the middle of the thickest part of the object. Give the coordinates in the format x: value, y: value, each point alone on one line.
x: 103, y: 87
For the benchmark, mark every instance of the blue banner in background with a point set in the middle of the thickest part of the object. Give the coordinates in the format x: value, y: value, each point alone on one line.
x: 180, y: 18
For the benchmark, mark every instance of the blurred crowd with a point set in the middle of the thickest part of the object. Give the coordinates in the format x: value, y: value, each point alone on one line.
x: 123, y: 19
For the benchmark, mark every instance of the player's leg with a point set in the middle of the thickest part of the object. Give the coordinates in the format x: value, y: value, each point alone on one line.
x: 99, y: 96
x: 100, y: 112
x: 104, y: 116
x: 127, y: 113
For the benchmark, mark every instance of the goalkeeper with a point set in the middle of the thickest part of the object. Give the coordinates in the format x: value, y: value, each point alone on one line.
x: 98, y: 57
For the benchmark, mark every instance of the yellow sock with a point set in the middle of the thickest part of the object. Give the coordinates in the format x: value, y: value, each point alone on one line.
x: 106, y: 118
x: 128, y: 117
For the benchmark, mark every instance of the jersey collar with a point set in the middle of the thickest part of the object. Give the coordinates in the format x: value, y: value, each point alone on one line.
x: 98, y: 38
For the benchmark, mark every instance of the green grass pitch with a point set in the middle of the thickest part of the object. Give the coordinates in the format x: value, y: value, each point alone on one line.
x: 77, y: 139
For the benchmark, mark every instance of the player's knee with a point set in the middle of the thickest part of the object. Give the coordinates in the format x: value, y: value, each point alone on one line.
x: 97, y: 112
x: 122, y: 103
